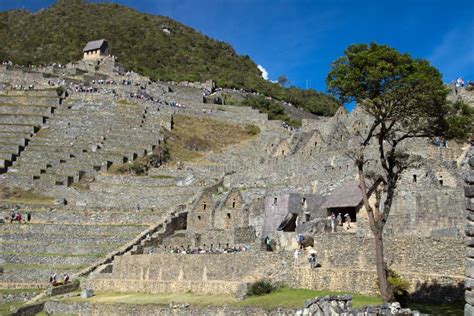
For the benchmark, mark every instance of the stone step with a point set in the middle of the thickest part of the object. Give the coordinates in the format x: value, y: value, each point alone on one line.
x: 5, y: 155
x: 22, y: 273
x: 13, y: 140
x: 29, y: 100
x: 14, y: 134
x: 39, y: 246
x: 86, y: 217
x: 14, y: 149
x: 80, y: 238
x: 17, y: 128
x: 40, y: 258
x: 33, y: 120
x: 70, y: 229
x: 25, y: 109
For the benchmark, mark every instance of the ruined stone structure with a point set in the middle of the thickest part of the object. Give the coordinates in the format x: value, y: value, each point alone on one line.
x: 469, y: 281
x: 119, y: 230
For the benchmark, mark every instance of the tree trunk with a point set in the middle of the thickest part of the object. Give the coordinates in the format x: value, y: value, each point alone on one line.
x: 386, y: 290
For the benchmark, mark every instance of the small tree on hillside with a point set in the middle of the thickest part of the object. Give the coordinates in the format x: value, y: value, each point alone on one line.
x: 405, y: 98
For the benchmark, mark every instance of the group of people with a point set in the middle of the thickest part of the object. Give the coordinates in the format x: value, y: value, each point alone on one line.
x: 16, y: 216
x: 441, y: 142
x: 201, y: 250
x: 338, y: 221
x: 177, y: 105
x: 53, y: 279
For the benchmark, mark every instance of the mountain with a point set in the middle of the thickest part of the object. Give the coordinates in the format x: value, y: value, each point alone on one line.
x: 155, y: 46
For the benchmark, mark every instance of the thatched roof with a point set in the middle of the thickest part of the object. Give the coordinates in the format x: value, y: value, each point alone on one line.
x: 94, y: 45
x: 349, y: 194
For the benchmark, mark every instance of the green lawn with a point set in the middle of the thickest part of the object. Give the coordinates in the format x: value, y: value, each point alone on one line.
x: 294, y: 298
x: 285, y: 297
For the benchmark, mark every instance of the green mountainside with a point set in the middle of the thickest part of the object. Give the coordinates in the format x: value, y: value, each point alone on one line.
x: 59, y: 33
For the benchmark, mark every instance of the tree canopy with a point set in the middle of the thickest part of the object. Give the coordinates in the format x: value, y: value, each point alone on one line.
x: 391, y: 87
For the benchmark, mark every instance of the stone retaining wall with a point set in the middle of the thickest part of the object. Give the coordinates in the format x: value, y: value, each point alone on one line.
x: 469, y: 280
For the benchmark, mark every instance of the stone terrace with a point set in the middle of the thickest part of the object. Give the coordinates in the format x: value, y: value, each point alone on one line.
x: 22, y: 113
x: 63, y: 241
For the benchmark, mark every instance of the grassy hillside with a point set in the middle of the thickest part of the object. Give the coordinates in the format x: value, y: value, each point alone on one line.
x: 59, y: 33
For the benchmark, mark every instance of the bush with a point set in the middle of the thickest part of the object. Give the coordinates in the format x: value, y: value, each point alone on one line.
x: 252, y: 130
x: 400, y: 287
x: 261, y: 287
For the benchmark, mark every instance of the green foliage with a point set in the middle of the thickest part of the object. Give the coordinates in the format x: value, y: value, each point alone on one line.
x: 252, y: 130
x: 392, y: 87
x: 460, y: 121
x: 59, y: 33
x: 274, y: 110
x: 261, y: 287
x: 400, y: 286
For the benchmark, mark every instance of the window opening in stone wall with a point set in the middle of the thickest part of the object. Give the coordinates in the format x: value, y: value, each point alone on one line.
x: 228, y: 215
x: 204, y: 206
x: 414, y: 178
x: 199, y: 217
x: 307, y: 217
x: 282, y: 152
x: 233, y: 203
x: 315, y: 144
x: 275, y: 200
x: 441, y: 181
x: 303, y: 202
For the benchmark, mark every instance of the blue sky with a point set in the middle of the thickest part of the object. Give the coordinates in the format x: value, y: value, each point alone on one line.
x: 300, y: 38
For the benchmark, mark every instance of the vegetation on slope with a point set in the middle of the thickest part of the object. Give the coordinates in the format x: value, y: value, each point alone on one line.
x: 59, y: 33
x: 191, y: 138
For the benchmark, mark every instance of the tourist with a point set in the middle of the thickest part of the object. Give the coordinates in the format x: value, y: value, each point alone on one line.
x: 347, y: 219
x: 313, y: 261
x: 339, y: 219
x: 66, y: 278
x: 333, y: 223
x: 28, y: 216
x: 296, y: 255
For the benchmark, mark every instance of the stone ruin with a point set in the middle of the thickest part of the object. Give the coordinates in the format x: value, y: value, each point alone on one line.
x: 63, y: 126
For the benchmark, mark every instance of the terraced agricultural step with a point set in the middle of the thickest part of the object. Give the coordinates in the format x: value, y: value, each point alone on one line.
x: 13, y: 140
x: 14, y: 149
x: 101, y: 239
x: 20, y: 128
x: 70, y: 229
x: 64, y: 249
x: 23, y: 119
x: 25, y: 109
x: 46, y: 258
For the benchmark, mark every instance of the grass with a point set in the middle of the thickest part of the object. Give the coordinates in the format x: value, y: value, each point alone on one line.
x: 192, y: 137
x: 5, y: 308
x: 440, y: 310
x: 56, y: 267
x: 126, y: 103
x: 16, y: 291
x: 284, y: 297
x: 294, y: 298
x: 50, y: 254
x: 16, y: 195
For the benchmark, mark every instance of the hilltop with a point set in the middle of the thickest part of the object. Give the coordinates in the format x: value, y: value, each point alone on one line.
x: 155, y: 46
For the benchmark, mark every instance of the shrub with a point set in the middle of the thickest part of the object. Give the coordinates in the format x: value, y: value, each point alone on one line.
x: 399, y: 285
x: 261, y: 287
x: 252, y: 130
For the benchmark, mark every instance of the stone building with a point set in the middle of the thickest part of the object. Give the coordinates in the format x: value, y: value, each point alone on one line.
x: 347, y: 199
x: 96, y: 50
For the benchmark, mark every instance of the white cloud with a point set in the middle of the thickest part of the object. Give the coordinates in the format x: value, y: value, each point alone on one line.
x: 264, y: 72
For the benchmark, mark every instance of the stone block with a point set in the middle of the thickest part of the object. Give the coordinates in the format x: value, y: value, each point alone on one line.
x: 468, y: 177
x: 469, y: 229
x: 469, y: 191
x: 468, y: 310
x: 469, y: 297
x: 470, y: 204
x: 469, y: 283
x: 470, y: 252
x: 469, y: 241
x: 86, y: 293
x: 470, y: 268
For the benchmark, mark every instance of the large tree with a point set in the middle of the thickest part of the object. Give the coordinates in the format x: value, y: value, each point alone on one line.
x: 405, y: 98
